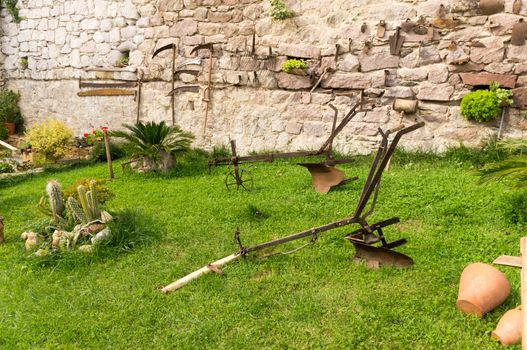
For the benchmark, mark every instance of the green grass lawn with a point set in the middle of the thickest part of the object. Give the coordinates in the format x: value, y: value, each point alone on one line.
x: 315, y: 298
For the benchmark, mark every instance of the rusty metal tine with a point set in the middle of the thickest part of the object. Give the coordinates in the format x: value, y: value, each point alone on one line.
x: 378, y: 173
x: 338, y: 129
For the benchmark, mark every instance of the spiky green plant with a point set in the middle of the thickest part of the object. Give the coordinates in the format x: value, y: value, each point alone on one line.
x: 54, y: 193
x: 83, y: 198
x: 94, y: 203
x: 150, y: 139
x: 514, y: 168
x: 76, y: 210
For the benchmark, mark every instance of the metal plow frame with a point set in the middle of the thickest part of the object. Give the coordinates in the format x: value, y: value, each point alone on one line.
x: 325, y: 176
x: 364, y: 239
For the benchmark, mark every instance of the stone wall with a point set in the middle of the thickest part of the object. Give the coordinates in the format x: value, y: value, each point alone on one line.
x: 252, y: 101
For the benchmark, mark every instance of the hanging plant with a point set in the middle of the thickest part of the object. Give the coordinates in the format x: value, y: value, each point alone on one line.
x: 279, y: 10
x: 294, y: 66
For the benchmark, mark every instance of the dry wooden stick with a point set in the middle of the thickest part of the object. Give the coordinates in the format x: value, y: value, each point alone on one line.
x: 214, y: 267
x: 523, y: 248
x: 108, y: 153
x: 1, y: 230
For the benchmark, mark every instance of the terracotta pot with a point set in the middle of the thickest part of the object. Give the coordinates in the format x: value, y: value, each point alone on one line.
x: 509, y: 328
x: 482, y: 288
x: 10, y: 128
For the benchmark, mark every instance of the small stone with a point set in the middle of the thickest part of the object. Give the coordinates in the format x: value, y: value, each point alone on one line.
x: 398, y: 92
x: 293, y: 128
x: 413, y: 74
x: 299, y: 51
x: 378, y: 58
x: 492, y: 50
x: 293, y: 82
x: 499, y: 68
x: 347, y: 81
x: 437, y: 73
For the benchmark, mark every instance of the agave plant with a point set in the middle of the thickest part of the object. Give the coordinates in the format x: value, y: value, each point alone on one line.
x: 154, y: 142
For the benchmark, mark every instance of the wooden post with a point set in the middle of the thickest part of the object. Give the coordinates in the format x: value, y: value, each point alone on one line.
x: 173, y: 98
x: 1, y: 230
x: 108, y: 153
x: 139, y: 88
x: 523, y: 248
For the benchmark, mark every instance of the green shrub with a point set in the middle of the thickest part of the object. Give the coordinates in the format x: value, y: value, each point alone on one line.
x: 98, y: 152
x: 3, y: 132
x: 9, y: 110
x: 279, y: 11
x: 480, y: 105
x: 291, y: 64
x: 104, y: 193
x: 504, y: 95
x: 50, y: 138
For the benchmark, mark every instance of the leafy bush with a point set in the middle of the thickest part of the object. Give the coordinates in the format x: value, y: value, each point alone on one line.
x: 291, y: 64
x: 279, y: 11
x: 104, y: 193
x: 480, y: 105
x: 515, y: 208
x: 50, y: 138
x: 3, y: 132
x: 98, y: 152
x: 9, y: 109
x: 504, y: 95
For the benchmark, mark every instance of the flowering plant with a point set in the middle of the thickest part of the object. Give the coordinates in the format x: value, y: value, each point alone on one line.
x: 95, y: 136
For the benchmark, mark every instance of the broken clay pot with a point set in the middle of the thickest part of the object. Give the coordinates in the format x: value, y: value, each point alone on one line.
x: 482, y: 288
x: 509, y: 328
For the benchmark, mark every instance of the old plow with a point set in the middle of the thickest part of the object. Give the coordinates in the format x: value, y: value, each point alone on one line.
x: 369, y: 240
x: 324, y: 174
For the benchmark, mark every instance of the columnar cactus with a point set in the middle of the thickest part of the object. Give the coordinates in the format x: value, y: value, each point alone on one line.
x: 89, y: 202
x: 54, y: 193
x: 76, y: 211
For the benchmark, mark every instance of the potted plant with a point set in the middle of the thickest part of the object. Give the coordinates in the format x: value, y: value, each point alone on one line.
x: 155, y: 144
x: 295, y: 66
x: 10, y: 113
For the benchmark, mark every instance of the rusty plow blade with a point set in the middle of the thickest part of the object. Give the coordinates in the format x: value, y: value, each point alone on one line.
x: 377, y: 256
x: 325, y: 177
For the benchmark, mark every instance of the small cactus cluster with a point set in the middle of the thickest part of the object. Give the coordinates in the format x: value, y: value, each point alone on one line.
x: 54, y: 193
x: 89, y: 209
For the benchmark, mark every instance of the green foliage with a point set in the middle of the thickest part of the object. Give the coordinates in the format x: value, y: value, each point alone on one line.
x: 514, y: 208
x: 12, y: 9
x: 122, y: 61
x: 23, y: 62
x: 220, y: 152
x: 148, y: 140
x: 104, y: 193
x: 514, y: 168
x: 293, y: 63
x: 5, y: 167
x: 50, y: 138
x: 130, y: 229
x: 5, y: 153
x: 98, y: 152
x: 504, y: 95
x: 4, y: 133
x: 480, y: 105
x: 9, y: 109
x: 279, y: 10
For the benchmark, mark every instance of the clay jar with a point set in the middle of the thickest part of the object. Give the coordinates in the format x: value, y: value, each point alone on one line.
x: 509, y: 328
x: 482, y: 288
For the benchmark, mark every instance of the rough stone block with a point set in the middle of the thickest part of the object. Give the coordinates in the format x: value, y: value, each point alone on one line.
x: 434, y: 92
x: 485, y: 78
x: 488, y: 50
x: 347, y: 81
x: 293, y: 82
x: 437, y: 73
x: 300, y: 51
x: 377, y: 58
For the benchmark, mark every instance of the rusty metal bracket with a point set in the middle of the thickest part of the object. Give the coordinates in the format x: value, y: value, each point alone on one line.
x: 396, y: 42
x: 93, y: 85
x: 107, y: 92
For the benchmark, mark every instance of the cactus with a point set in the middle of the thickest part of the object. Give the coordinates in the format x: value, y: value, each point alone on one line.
x: 94, y: 199
x: 89, y: 202
x: 76, y: 210
x: 55, y: 200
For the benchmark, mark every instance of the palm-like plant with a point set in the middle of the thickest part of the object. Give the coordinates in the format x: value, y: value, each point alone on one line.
x: 514, y: 167
x: 150, y: 140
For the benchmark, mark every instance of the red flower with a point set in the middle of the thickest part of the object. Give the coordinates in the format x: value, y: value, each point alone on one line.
x: 104, y: 128
x: 86, y: 134
x: 94, y: 132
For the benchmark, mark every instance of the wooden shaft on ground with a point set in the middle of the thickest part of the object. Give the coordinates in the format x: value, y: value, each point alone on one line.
x: 204, y: 270
x: 1, y: 230
x: 523, y: 249
x: 108, y: 153
x: 173, y: 98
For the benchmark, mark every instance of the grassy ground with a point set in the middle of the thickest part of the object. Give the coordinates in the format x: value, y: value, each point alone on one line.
x: 316, y: 298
